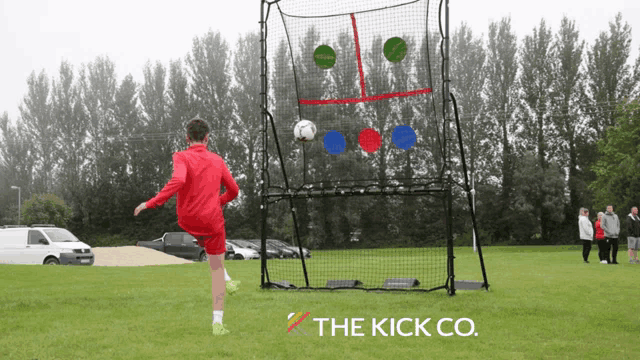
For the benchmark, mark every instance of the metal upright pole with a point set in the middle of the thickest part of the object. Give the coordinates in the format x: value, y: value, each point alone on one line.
x: 469, y: 194
x: 304, y: 163
x: 19, y: 205
x: 263, y: 107
x: 473, y: 207
x: 447, y: 135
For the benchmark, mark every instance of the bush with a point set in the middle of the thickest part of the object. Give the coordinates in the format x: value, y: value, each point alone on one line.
x: 105, y: 240
x: 244, y: 233
x: 46, y: 209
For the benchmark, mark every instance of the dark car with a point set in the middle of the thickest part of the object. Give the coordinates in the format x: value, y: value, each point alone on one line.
x: 230, y: 253
x: 181, y: 244
x: 294, y: 248
x: 286, y: 252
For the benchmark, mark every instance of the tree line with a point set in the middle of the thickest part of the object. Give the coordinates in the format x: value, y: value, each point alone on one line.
x: 534, y: 111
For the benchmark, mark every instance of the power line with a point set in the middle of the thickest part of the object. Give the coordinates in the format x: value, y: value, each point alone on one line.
x: 516, y: 114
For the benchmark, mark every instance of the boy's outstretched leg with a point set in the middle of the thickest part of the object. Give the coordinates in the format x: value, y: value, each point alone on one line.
x: 216, y: 265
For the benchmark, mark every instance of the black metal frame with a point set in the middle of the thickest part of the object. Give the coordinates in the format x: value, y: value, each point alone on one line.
x: 441, y: 185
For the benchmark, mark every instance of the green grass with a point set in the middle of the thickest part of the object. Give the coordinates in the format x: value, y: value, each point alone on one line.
x: 544, y: 303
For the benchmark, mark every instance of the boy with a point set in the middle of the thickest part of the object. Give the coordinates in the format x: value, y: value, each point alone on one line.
x: 197, y: 176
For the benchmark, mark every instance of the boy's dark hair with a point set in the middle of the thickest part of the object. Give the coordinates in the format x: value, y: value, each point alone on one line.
x: 197, y: 129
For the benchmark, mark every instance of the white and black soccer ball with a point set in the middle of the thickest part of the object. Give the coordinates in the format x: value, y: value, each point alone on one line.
x: 304, y: 131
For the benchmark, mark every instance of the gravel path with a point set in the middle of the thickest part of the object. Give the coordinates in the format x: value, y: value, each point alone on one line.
x: 133, y: 256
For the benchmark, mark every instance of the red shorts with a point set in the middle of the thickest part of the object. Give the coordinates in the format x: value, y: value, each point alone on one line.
x: 213, y: 245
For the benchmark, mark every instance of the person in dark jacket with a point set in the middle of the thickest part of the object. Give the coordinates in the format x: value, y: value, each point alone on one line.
x: 633, y: 235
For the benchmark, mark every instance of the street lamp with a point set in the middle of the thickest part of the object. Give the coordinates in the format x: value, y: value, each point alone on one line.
x: 18, y: 188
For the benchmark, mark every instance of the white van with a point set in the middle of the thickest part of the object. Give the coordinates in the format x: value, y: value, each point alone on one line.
x: 42, y: 244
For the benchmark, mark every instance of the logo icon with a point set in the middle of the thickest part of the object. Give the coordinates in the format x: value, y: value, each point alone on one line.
x: 294, y: 321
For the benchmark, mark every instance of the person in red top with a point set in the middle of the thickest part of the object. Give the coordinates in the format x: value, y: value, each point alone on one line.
x: 602, y: 241
x: 197, y: 176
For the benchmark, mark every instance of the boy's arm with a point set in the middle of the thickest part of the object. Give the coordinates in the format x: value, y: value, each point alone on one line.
x: 177, y: 180
x: 231, y: 188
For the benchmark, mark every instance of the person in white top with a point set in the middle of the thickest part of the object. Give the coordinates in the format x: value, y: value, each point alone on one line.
x: 586, y: 233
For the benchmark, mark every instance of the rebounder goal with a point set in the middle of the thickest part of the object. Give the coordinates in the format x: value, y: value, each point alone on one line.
x: 372, y: 76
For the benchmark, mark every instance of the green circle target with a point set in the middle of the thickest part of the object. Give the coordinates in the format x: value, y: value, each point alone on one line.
x: 395, y: 49
x: 324, y: 56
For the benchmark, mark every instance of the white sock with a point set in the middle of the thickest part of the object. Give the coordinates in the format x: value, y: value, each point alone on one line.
x: 217, y: 316
x: 226, y: 276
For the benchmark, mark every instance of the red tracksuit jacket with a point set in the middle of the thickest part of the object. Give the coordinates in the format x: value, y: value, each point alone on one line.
x: 197, y: 176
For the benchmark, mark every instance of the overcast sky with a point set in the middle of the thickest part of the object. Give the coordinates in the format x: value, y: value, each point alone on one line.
x: 39, y: 34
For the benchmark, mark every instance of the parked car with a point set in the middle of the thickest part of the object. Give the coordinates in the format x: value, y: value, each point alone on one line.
x: 230, y: 252
x: 294, y: 248
x: 181, y: 244
x: 243, y: 253
x: 286, y: 253
x: 272, y: 253
x: 42, y: 244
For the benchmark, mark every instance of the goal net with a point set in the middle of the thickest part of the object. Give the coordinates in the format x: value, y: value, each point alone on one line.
x: 369, y: 75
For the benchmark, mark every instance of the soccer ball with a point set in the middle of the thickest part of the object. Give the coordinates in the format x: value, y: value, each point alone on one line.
x: 304, y: 131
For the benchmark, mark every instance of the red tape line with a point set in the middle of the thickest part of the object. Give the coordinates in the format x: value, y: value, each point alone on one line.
x: 363, y: 90
x: 365, y: 99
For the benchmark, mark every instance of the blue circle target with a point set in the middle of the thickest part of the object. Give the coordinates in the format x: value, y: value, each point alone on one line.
x: 404, y: 137
x: 334, y: 142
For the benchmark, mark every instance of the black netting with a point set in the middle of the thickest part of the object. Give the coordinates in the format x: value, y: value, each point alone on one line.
x: 349, y: 66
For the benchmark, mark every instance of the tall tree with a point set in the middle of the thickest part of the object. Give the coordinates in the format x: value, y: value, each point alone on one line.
x: 568, y: 81
x: 378, y: 115
x: 153, y: 98
x: 536, y: 78
x: 467, y: 82
x: 98, y: 84
x: 538, y: 134
x: 208, y: 64
x: 71, y: 134
x: 617, y: 172
x: 406, y: 163
x: 312, y: 83
x: 16, y: 164
x: 153, y: 95
x: 350, y: 165
x: 180, y: 107
x: 430, y: 141
x: 610, y: 78
x: 35, y: 111
x: 124, y: 189
x: 246, y: 95
x: 501, y: 93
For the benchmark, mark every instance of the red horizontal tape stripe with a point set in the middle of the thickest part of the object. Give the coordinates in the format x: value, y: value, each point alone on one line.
x: 365, y: 99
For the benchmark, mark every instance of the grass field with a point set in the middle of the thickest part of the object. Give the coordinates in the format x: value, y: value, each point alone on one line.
x: 544, y: 303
